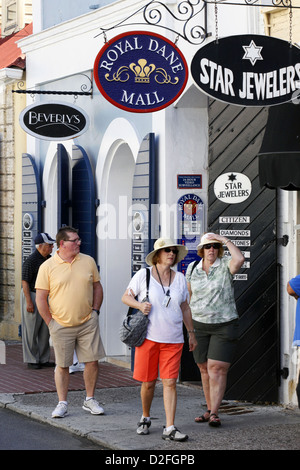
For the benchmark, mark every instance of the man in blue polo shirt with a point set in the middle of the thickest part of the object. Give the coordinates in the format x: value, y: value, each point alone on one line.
x: 35, y: 333
x: 293, y: 288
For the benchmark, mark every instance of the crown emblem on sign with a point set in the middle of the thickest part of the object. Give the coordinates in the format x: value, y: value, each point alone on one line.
x: 142, y: 71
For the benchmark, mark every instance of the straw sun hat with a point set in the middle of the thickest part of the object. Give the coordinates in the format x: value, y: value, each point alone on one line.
x: 162, y: 243
x: 206, y: 241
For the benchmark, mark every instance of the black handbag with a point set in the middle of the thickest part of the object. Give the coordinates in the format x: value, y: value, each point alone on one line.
x: 134, y: 327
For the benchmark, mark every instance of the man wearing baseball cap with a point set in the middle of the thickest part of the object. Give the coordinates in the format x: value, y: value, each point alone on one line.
x: 35, y: 333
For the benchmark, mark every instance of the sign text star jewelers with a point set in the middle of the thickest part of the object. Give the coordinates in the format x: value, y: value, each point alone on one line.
x: 140, y: 72
x: 248, y: 70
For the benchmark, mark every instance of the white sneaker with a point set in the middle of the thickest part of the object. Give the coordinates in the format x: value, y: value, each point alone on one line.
x: 60, y: 411
x: 78, y: 367
x: 174, y: 435
x: 93, y: 406
x: 143, y: 427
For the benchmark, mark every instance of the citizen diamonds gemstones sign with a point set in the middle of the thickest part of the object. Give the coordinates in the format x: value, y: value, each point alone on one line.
x: 54, y: 121
x: 140, y: 72
x: 248, y: 70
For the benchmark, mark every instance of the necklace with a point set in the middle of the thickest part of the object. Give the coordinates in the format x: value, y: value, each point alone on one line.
x: 168, y: 292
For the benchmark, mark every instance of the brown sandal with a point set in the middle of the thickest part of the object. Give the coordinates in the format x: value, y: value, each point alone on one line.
x: 202, y: 419
x: 214, y: 420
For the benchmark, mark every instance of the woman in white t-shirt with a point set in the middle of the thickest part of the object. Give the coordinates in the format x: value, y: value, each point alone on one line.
x: 167, y: 308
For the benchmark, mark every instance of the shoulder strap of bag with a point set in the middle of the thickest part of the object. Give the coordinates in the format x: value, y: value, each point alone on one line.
x: 147, y: 280
x: 194, y: 265
x: 131, y: 309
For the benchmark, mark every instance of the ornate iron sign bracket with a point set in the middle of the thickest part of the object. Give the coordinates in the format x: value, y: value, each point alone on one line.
x: 86, y: 90
x: 256, y: 3
x: 185, y: 17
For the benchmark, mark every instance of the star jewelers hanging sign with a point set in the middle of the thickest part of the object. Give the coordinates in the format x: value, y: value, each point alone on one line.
x: 140, y: 72
x: 248, y: 70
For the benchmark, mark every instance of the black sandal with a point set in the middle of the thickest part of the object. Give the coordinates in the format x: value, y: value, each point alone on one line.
x: 202, y: 419
x: 214, y: 420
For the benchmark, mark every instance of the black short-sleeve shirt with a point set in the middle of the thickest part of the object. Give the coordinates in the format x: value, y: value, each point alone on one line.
x: 30, y: 268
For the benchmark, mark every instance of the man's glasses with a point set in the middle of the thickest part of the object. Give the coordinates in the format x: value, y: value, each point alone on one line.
x: 216, y: 246
x: 76, y: 240
x: 174, y: 250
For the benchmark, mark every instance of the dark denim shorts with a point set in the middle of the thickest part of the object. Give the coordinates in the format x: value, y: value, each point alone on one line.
x: 216, y: 341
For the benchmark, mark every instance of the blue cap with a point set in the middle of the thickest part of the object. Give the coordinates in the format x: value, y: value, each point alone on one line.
x: 43, y: 238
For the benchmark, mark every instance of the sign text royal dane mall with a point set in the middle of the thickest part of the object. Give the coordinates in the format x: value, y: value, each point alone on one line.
x: 140, y: 72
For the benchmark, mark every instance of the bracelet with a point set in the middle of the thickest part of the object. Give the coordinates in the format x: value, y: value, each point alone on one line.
x: 191, y: 331
x: 97, y: 311
x: 227, y: 242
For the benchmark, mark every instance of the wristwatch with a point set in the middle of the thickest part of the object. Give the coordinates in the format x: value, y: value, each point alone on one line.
x: 97, y: 311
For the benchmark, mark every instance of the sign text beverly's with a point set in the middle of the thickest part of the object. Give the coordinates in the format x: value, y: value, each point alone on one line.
x: 54, y: 121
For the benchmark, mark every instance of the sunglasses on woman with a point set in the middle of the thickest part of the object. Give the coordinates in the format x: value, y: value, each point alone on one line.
x: 168, y: 250
x: 216, y: 246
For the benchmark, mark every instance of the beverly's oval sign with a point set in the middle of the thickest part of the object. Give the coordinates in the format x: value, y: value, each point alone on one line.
x: 140, y: 72
x: 54, y: 121
x: 248, y: 70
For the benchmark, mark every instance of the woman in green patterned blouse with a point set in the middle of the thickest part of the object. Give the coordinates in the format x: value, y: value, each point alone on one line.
x: 215, y: 318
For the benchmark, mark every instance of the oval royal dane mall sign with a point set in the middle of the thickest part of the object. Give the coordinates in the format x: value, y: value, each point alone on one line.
x: 54, y: 121
x: 140, y: 72
x: 248, y: 70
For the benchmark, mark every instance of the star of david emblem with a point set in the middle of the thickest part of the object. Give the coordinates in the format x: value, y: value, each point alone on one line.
x: 252, y: 52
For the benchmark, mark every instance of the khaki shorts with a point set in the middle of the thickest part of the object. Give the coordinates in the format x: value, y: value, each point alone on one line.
x: 84, y: 339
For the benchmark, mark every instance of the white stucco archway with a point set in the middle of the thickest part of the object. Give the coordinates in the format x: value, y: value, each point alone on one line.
x: 114, y: 175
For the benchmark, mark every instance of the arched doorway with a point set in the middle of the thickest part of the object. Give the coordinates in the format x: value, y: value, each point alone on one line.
x: 114, y: 176
x: 115, y: 243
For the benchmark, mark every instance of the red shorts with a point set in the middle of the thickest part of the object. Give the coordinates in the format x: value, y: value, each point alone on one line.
x: 152, y: 356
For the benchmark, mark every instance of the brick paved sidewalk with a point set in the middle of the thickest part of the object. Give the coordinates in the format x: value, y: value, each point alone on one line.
x: 15, y: 377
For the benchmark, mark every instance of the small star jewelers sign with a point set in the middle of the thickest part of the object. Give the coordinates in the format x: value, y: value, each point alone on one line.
x: 248, y: 70
x: 232, y: 188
